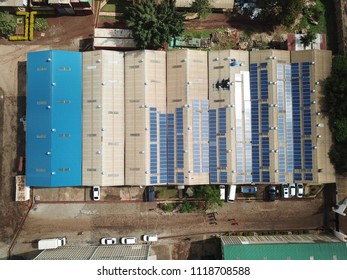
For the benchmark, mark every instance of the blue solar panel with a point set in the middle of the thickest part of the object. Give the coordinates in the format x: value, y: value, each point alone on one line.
x: 212, y: 146
x: 180, y: 177
x: 309, y: 177
x: 196, y: 158
x: 196, y: 104
x: 154, y: 180
x: 163, y: 148
x: 223, y: 177
x: 297, y: 176
x: 264, y: 88
x: 222, y: 152
x: 308, y: 154
x: 266, y: 176
x: 307, y: 122
x: 179, y: 120
x: 222, y: 125
x: 204, y: 105
x: 264, y: 118
x: 265, y: 150
x: 296, y: 112
x: 204, y: 127
x: 179, y: 151
x: 255, y: 121
x: 170, y: 148
x: 153, y: 158
x: 153, y: 124
x: 205, y: 158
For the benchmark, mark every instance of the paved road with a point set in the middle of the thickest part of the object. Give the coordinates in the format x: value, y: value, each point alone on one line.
x: 85, y: 223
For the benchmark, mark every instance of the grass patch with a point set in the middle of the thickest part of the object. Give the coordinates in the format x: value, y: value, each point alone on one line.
x: 205, y: 33
x: 167, y: 192
x: 115, y: 6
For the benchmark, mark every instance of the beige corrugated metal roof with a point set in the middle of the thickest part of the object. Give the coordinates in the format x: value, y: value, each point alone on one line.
x: 217, y: 4
x: 116, y: 252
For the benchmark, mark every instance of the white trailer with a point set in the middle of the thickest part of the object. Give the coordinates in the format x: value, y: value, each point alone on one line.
x: 51, y: 243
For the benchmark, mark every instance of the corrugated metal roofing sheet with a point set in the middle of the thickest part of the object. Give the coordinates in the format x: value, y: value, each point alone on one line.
x: 116, y: 252
x: 289, y: 251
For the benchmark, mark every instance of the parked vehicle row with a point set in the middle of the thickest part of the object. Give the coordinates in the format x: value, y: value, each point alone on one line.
x: 128, y: 240
x: 231, y: 193
x: 292, y: 190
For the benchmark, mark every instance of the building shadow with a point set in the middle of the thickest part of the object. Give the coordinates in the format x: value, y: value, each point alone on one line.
x: 208, y: 249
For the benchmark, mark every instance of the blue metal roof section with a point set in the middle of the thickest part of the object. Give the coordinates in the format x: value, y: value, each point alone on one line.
x: 54, y: 119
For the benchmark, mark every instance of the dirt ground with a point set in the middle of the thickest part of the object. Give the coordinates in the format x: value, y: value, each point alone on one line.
x: 68, y: 33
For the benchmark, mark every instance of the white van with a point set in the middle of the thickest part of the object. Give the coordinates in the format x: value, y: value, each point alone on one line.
x: 222, y: 192
x: 232, y: 193
x: 150, y: 237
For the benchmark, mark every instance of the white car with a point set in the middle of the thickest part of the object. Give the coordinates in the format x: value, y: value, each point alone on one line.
x: 96, y: 193
x: 222, y: 192
x: 150, y: 237
x: 108, y: 241
x: 300, y: 190
x: 128, y: 240
x: 285, y: 191
x: 292, y: 190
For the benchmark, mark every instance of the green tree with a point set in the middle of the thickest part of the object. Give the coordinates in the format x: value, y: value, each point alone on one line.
x: 202, y: 7
x: 7, y: 24
x: 209, y: 194
x: 41, y: 24
x: 187, y: 207
x: 335, y: 104
x: 154, y: 24
x: 280, y: 11
x: 308, y: 38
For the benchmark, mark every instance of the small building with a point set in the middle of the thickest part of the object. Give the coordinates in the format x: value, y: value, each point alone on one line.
x: 54, y: 119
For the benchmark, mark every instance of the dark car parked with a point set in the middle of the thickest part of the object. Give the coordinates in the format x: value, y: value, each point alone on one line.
x: 271, y: 193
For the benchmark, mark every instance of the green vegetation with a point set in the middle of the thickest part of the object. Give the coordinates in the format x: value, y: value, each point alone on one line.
x: 204, y: 33
x: 336, y: 109
x: 115, y: 6
x: 154, y: 24
x: 210, y: 196
x: 167, y: 192
x: 321, y: 19
x: 41, y: 24
x: 188, y: 207
x: 7, y: 24
x: 308, y: 38
x: 276, y: 12
x: 168, y: 207
x: 202, y: 7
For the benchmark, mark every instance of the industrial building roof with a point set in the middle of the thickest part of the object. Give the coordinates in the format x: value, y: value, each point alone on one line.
x: 115, y: 252
x: 285, y: 247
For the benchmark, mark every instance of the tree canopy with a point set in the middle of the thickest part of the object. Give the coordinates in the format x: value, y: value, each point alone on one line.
x: 209, y: 194
x: 308, y: 38
x: 154, y: 24
x: 7, y: 24
x: 280, y: 11
x: 202, y: 7
x: 336, y: 109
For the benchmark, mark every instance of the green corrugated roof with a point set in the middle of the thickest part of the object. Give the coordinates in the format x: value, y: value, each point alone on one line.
x: 302, y: 251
